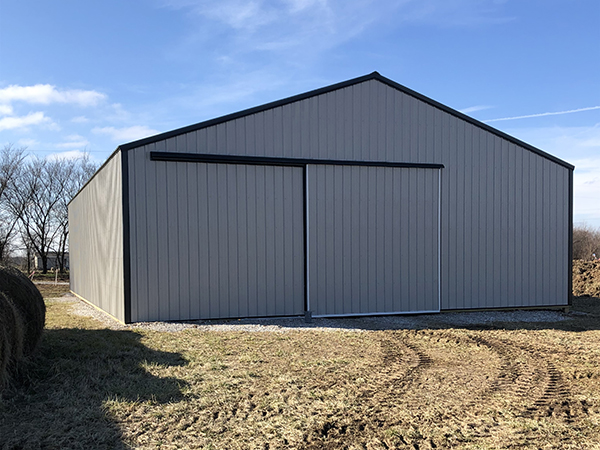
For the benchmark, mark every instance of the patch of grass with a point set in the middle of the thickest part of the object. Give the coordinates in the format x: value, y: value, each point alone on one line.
x: 52, y: 290
x: 50, y: 277
x: 512, y: 386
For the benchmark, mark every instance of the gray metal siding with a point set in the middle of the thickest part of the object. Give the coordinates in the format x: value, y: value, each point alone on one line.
x: 217, y: 240
x: 505, y: 230
x: 96, y: 240
x: 373, y: 237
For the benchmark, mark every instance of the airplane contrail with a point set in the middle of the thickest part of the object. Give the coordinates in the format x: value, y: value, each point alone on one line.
x: 544, y: 114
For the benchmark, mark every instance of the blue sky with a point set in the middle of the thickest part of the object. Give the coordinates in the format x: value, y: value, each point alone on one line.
x: 87, y: 76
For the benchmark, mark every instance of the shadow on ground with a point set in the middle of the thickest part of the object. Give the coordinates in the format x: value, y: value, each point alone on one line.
x: 59, y: 401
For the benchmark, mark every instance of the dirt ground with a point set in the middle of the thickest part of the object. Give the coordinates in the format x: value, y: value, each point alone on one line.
x: 525, y: 385
x: 586, y: 278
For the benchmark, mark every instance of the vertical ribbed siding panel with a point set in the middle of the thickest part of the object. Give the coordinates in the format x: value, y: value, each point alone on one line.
x: 193, y: 268
x: 495, y: 196
x: 373, y: 233
x: 473, y: 169
x: 138, y: 182
x: 96, y: 240
x: 234, y: 234
x: 512, y: 236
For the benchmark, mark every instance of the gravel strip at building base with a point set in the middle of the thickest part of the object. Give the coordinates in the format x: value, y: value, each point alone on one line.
x: 448, y: 319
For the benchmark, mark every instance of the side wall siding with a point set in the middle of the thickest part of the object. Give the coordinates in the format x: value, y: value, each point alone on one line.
x: 96, y: 240
x: 505, y: 230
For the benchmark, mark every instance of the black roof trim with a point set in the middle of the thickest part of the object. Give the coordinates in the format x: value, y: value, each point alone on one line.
x: 288, y: 162
x: 247, y: 112
x: 334, y: 87
x: 472, y: 121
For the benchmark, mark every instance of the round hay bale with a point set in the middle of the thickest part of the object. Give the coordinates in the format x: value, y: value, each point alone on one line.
x: 11, y: 337
x: 29, y: 304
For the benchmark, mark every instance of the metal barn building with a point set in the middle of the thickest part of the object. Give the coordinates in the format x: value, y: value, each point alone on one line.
x: 364, y: 197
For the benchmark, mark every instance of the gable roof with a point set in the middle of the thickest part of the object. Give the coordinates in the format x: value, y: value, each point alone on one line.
x: 372, y: 76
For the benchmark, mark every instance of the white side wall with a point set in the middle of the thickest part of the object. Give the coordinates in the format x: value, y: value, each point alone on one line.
x: 96, y: 240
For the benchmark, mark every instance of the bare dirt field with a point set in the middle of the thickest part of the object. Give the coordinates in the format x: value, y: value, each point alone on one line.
x: 500, y: 384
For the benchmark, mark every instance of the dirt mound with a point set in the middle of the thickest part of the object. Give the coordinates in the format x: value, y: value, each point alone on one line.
x: 586, y: 278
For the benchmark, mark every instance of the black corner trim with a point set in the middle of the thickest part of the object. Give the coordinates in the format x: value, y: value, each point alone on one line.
x: 570, y: 264
x: 274, y: 161
x: 305, y: 237
x: 126, y: 238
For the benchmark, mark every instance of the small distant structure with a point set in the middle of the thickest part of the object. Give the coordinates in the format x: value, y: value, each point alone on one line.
x: 52, y: 261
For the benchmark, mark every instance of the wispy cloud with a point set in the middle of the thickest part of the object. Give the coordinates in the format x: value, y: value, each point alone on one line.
x: 27, y: 142
x: 46, y: 94
x: 73, y: 141
x: 586, y: 187
x: 557, y: 113
x: 472, y: 109
x: 6, y: 110
x: 288, y: 38
x: 80, y: 119
x: 126, y: 134
x: 16, y: 122
x: 72, y: 154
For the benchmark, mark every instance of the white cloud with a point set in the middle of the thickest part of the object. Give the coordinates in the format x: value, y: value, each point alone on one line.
x: 291, y: 36
x: 46, y: 94
x: 80, y: 119
x: 36, y: 118
x: 126, y: 134
x: 72, y: 154
x: 586, y: 187
x: 74, y: 141
x: 27, y: 142
x: 238, y: 14
x: 5, y: 110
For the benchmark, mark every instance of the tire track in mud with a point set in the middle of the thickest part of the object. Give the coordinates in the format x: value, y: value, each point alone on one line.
x: 399, y: 384
x: 401, y: 364
x: 525, y: 383
x: 405, y: 363
x: 526, y: 379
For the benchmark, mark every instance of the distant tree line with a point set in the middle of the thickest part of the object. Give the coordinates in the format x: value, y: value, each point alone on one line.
x: 34, y: 194
x: 586, y: 242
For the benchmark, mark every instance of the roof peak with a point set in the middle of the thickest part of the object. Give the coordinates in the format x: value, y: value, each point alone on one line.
x: 334, y: 87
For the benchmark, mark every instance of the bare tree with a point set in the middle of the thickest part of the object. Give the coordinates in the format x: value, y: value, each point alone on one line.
x: 34, y: 199
x: 72, y: 174
x: 586, y: 242
x: 11, y: 160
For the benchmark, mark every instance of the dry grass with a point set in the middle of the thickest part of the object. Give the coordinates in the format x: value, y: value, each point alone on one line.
x: 52, y: 290
x: 516, y: 385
